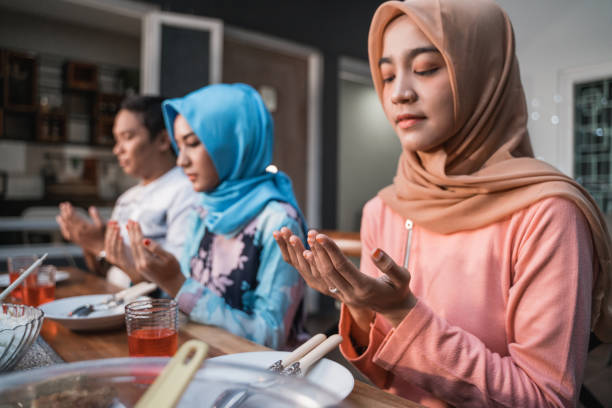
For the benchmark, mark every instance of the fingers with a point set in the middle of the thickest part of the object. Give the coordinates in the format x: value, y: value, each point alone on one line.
x: 137, y: 244
x: 341, y: 263
x: 326, y: 268
x: 113, y: 243
x: 95, y: 216
x: 282, y: 245
x: 398, y: 275
x: 63, y: 228
x: 298, y: 250
x: 292, y: 253
x: 155, y: 249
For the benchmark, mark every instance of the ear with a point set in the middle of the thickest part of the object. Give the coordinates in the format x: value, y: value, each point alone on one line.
x: 163, y: 141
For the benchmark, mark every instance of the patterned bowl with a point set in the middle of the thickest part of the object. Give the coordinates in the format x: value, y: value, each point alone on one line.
x: 19, y: 327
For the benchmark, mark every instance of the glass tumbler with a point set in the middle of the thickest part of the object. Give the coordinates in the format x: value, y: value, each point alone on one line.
x: 39, y: 287
x: 152, y: 327
x: 17, y: 265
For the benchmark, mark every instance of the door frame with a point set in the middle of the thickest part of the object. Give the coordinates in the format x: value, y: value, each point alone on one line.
x: 314, y: 161
x: 150, y: 57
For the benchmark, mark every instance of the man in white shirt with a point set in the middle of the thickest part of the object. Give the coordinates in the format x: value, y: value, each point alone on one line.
x: 161, y: 202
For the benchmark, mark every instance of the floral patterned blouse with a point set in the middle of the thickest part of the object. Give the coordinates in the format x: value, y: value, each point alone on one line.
x: 242, y: 283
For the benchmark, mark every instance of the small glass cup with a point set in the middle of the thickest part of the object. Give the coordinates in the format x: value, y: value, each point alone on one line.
x: 39, y: 286
x: 152, y: 327
x: 17, y: 265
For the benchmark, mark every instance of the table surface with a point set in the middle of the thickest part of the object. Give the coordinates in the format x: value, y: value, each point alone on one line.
x: 78, y: 346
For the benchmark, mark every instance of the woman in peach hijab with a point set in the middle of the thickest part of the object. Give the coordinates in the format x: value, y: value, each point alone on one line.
x: 506, y: 261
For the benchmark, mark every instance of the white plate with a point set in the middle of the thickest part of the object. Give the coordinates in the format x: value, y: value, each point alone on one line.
x: 59, y: 277
x: 326, y: 373
x: 58, y: 310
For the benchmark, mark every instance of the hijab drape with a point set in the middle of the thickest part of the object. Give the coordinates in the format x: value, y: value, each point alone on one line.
x: 237, y: 131
x: 485, y: 171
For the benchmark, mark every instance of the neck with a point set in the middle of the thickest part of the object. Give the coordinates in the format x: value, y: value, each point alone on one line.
x: 162, y: 166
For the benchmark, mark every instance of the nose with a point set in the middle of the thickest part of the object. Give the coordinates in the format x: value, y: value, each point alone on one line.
x: 403, y: 92
x: 117, y: 148
x: 182, y: 159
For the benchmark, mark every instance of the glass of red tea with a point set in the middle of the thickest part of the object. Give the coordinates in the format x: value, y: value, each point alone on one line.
x: 39, y: 286
x: 152, y: 327
x: 16, y: 266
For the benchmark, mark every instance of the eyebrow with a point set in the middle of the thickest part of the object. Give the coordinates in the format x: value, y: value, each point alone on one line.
x: 411, y: 54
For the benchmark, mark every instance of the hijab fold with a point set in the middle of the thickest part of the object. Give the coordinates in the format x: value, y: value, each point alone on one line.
x: 237, y: 131
x: 485, y: 171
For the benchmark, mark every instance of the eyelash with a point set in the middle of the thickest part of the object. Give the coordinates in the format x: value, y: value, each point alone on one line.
x: 420, y: 73
x: 427, y: 72
x: 193, y: 143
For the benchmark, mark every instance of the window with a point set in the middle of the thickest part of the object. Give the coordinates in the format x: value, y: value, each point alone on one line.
x: 592, y: 139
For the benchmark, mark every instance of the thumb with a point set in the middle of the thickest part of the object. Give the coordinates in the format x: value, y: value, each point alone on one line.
x: 154, y: 248
x: 399, y: 276
x: 95, y: 216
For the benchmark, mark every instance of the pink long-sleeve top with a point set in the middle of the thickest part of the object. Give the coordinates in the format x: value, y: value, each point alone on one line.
x: 503, y: 311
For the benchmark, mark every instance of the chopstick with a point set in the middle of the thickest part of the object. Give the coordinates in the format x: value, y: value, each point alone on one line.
x: 298, y: 353
x: 301, y: 366
x: 22, y: 277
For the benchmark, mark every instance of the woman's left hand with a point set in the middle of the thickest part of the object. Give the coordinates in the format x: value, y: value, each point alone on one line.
x: 153, y: 262
x: 117, y: 253
x: 389, y: 294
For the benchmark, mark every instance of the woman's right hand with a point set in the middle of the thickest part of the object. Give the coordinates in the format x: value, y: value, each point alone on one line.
x: 292, y: 249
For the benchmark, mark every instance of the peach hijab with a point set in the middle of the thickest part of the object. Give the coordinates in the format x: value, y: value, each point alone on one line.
x: 485, y: 170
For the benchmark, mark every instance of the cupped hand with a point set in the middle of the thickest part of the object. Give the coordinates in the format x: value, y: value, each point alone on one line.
x: 389, y: 294
x: 88, y: 234
x: 153, y: 262
x: 293, y: 252
x: 117, y: 253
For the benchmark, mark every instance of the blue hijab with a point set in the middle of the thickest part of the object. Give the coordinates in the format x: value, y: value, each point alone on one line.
x: 238, y: 132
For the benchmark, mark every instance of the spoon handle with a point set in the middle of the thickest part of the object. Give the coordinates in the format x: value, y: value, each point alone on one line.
x: 170, y: 384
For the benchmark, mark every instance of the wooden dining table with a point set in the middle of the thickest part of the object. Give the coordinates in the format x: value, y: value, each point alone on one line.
x: 72, y: 346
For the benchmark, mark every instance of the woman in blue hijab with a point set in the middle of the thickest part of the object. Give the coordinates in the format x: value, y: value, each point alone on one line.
x: 233, y: 274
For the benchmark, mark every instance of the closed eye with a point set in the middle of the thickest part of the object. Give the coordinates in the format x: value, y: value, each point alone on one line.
x: 427, y: 71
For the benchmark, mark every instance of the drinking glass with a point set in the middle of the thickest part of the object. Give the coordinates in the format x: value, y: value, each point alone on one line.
x: 152, y: 327
x: 39, y: 286
x: 17, y: 265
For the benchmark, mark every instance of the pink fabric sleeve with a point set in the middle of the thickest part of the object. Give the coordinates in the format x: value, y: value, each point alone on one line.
x: 546, y: 318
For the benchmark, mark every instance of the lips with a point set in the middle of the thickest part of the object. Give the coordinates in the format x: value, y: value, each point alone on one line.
x: 407, y: 121
x: 192, y: 176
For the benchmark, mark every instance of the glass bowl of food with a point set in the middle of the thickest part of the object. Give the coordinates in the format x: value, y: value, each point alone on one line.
x: 19, y: 327
x: 120, y: 382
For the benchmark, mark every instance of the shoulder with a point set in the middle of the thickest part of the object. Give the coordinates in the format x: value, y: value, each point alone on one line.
x: 129, y: 194
x: 555, y: 210
x: 175, y: 179
x: 276, y: 215
x: 374, y: 207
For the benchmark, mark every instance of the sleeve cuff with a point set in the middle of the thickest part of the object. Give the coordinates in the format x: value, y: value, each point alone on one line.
x: 346, y: 347
x: 188, y: 296
x: 395, y: 344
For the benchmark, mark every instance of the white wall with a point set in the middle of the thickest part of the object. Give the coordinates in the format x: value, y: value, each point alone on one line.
x: 553, y: 36
x: 368, y: 150
x: 33, y: 33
